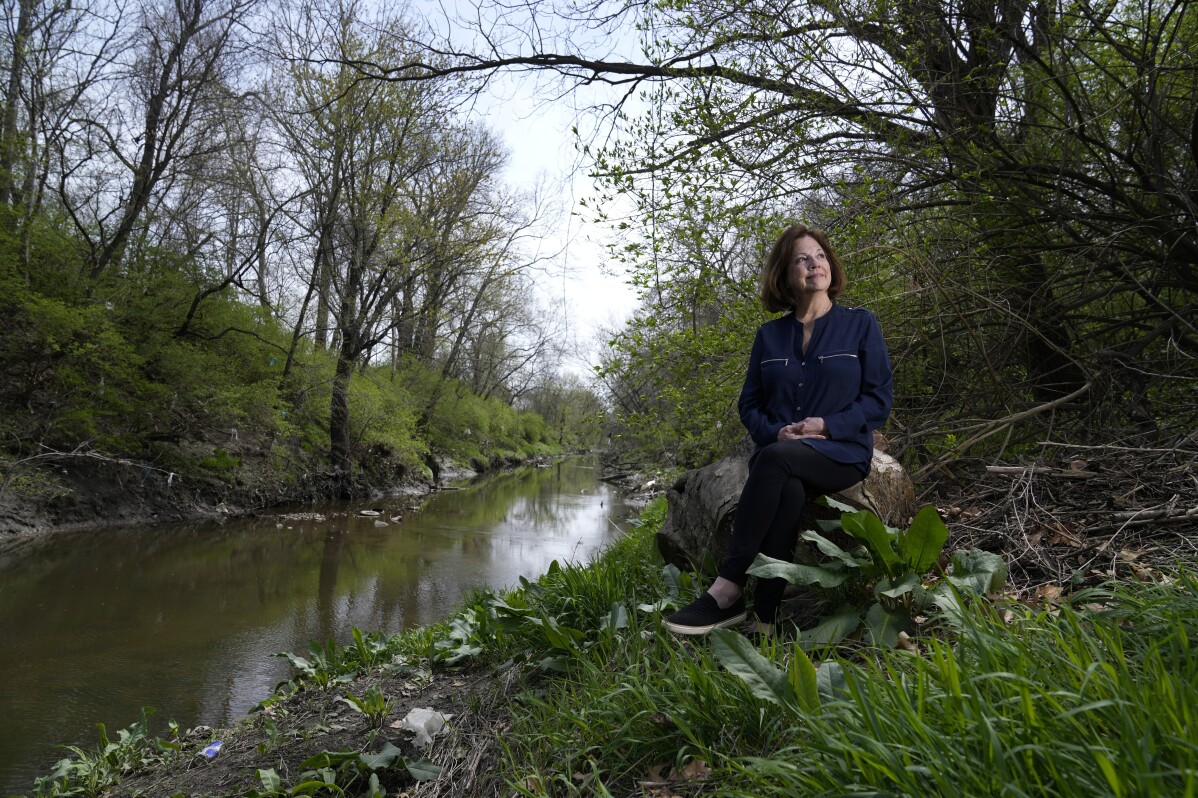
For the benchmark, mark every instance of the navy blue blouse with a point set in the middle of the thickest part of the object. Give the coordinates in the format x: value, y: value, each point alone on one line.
x: 843, y: 378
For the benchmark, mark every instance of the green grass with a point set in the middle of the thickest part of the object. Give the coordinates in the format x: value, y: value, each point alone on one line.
x: 1097, y: 697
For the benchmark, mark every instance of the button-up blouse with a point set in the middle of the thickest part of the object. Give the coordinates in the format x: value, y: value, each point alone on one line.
x: 844, y: 378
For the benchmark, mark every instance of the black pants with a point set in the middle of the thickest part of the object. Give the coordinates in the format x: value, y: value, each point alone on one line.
x: 780, y: 481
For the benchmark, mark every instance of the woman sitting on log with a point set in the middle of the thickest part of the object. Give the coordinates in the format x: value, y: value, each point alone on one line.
x: 818, y: 385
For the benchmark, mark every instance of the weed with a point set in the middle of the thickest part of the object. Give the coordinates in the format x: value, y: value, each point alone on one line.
x: 879, y: 585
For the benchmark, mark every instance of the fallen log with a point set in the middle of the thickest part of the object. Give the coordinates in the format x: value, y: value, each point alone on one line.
x: 701, y: 505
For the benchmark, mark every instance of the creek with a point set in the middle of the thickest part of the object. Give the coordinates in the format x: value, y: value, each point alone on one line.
x: 187, y: 619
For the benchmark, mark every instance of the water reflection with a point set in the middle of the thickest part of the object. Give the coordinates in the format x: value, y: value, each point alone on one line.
x: 98, y: 624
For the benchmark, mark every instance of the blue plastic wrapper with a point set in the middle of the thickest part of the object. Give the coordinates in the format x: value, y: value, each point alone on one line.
x: 212, y: 750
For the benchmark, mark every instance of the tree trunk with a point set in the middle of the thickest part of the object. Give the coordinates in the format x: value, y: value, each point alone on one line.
x: 339, y: 439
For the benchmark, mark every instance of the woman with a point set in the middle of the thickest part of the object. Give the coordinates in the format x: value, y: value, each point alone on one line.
x: 817, y: 387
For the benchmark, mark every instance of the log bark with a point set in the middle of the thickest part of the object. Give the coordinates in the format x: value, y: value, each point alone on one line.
x: 701, y: 506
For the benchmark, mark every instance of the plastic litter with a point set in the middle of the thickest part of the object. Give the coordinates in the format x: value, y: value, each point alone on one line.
x: 426, y: 722
x: 212, y: 750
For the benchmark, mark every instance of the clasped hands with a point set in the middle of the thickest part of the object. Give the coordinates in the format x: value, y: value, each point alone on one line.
x: 807, y: 428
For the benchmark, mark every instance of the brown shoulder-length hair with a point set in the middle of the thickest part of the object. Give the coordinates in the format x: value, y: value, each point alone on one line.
x: 776, y: 293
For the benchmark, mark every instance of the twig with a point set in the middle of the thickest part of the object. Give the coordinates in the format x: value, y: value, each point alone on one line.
x: 1163, y: 515
x: 1108, y: 446
x: 1042, y: 471
x: 997, y: 426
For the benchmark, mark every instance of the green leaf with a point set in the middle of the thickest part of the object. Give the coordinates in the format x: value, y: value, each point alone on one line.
x: 555, y: 664
x: 924, y: 540
x: 560, y: 637
x: 828, y: 501
x: 387, y: 757
x: 830, y: 681
x: 830, y: 575
x: 868, y: 527
x: 423, y: 770
x: 884, y: 625
x: 765, y: 680
x: 833, y: 628
x: 830, y: 549
x: 893, y: 588
x: 804, y: 680
x: 948, y: 601
x: 978, y: 571
x: 270, y: 780
x: 616, y: 619
x: 828, y: 525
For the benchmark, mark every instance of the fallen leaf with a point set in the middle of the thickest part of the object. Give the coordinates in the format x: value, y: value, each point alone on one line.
x: 1129, y: 555
x: 1049, y: 592
x: 657, y: 774
x: 1078, y: 464
x: 1142, y: 573
x: 695, y: 769
x: 906, y: 643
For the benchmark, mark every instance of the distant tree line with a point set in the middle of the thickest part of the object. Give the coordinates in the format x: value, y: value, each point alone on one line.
x: 211, y: 224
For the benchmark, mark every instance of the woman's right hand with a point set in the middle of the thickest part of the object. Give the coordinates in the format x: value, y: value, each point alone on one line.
x: 807, y: 428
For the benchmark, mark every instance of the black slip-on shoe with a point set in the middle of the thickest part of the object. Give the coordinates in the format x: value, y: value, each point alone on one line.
x: 703, y: 614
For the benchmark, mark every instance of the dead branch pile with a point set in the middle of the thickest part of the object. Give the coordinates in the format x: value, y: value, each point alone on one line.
x: 1078, y: 515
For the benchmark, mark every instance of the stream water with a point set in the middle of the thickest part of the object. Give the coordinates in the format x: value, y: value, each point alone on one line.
x: 186, y: 619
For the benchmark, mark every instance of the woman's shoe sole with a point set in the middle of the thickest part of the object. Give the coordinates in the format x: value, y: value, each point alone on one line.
x: 702, y: 630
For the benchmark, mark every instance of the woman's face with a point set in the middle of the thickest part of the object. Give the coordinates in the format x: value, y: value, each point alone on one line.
x: 810, y: 273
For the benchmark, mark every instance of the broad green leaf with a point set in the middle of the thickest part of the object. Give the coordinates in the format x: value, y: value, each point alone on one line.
x: 828, y: 501
x: 329, y: 759
x: 979, y: 571
x: 555, y: 664
x: 868, y: 527
x: 616, y: 619
x: 830, y: 575
x: 921, y: 545
x: 830, y: 549
x: 833, y: 628
x: 313, y: 786
x: 299, y: 663
x: 948, y: 601
x: 765, y: 680
x: 423, y: 770
x: 499, y: 605
x: 804, y: 681
x: 270, y: 780
x: 884, y: 625
x: 672, y: 576
x: 387, y: 757
x: 560, y: 637
x: 830, y: 681
x: 893, y: 588
x: 828, y: 525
